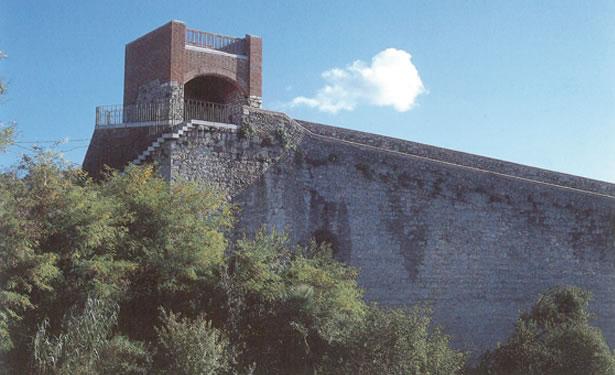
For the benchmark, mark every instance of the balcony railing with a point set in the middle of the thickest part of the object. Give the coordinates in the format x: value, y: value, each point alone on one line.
x: 208, y: 111
x: 166, y: 113
x: 218, y: 42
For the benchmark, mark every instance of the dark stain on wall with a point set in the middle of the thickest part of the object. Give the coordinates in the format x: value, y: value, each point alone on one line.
x: 332, y: 225
x: 410, y: 236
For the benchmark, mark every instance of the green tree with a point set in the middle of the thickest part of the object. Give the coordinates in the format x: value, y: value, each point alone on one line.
x: 289, y: 307
x: 70, y: 232
x: 555, y: 337
x: 26, y: 271
x: 299, y: 311
x: 175, y: 234
x: 86, y: 266
x: 133, y: 239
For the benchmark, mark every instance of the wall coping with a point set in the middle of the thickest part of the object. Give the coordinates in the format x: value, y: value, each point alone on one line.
x: 461, y: 159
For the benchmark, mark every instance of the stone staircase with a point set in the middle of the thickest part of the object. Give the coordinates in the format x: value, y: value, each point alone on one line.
x: 176, y: 134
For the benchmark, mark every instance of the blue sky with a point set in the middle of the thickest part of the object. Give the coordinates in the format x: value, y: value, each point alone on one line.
x: 525, y: 81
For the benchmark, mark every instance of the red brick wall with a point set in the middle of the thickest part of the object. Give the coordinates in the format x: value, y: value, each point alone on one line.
x: 178, y: 37
x: 155, y: 55
x: 255, y: 56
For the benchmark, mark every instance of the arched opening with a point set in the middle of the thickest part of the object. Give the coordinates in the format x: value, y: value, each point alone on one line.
x: 212, y: 88
x: 211, y: 98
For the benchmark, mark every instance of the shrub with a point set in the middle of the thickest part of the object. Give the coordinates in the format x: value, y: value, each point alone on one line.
x: 396, y: 341
x: 122, y: 356
x: 85, y: 345
x: 554, y: 338
x: 192, y: 347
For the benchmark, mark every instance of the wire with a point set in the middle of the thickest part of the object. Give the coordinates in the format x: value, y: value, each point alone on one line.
x: 61, y: 141
x: 25, y: 148
x: 34, y: 149
x: 74, y: 148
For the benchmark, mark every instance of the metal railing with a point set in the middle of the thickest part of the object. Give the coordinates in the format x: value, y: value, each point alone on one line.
x: 167, y: 113
x: 208, y: 111
x: 215, y: 41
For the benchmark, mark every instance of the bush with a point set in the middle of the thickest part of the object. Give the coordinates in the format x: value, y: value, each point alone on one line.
x: 86, y: 346
x: 192, y: 347
x: 396, y: 341
x: 554, y: 338
x: 122, y: 356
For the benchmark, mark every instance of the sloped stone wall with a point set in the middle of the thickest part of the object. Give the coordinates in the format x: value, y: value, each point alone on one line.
x: 477, y: 245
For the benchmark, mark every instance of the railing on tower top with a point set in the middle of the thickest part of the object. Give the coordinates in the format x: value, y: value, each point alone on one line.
x: 167, y: 113
x: 215, y: 41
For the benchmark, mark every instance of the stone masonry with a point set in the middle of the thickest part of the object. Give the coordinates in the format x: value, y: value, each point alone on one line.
x: 475, y: 238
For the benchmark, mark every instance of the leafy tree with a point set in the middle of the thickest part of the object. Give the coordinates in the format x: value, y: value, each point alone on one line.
x: 555, y: 337
x: 132, y: 239
x: 123, y: 356
x: 174, y: 233
x: 302, y: 312
x: 294, y: 304
x: 26, y: 270
x: 192, y: 347
x: 69, y: 235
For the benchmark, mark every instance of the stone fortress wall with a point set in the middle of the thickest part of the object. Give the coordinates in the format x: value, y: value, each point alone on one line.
x: 475, y: 238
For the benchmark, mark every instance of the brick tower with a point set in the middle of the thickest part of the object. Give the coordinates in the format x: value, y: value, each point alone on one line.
x: 175, y: 62
x: 173, y: 75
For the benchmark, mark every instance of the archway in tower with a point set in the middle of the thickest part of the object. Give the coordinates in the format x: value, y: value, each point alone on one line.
x: 212, y: 88
x: 207, y: 97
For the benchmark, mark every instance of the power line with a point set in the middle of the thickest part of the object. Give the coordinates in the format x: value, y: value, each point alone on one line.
x: 52, y: 141
x: 34, y: 149
x: 74, y: 148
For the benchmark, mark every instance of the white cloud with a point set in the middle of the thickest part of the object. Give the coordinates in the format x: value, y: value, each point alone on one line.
x: 390, y: 80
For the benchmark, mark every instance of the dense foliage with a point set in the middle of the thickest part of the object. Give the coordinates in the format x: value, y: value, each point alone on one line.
x: 554, y: 338
x: 132, y: 275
